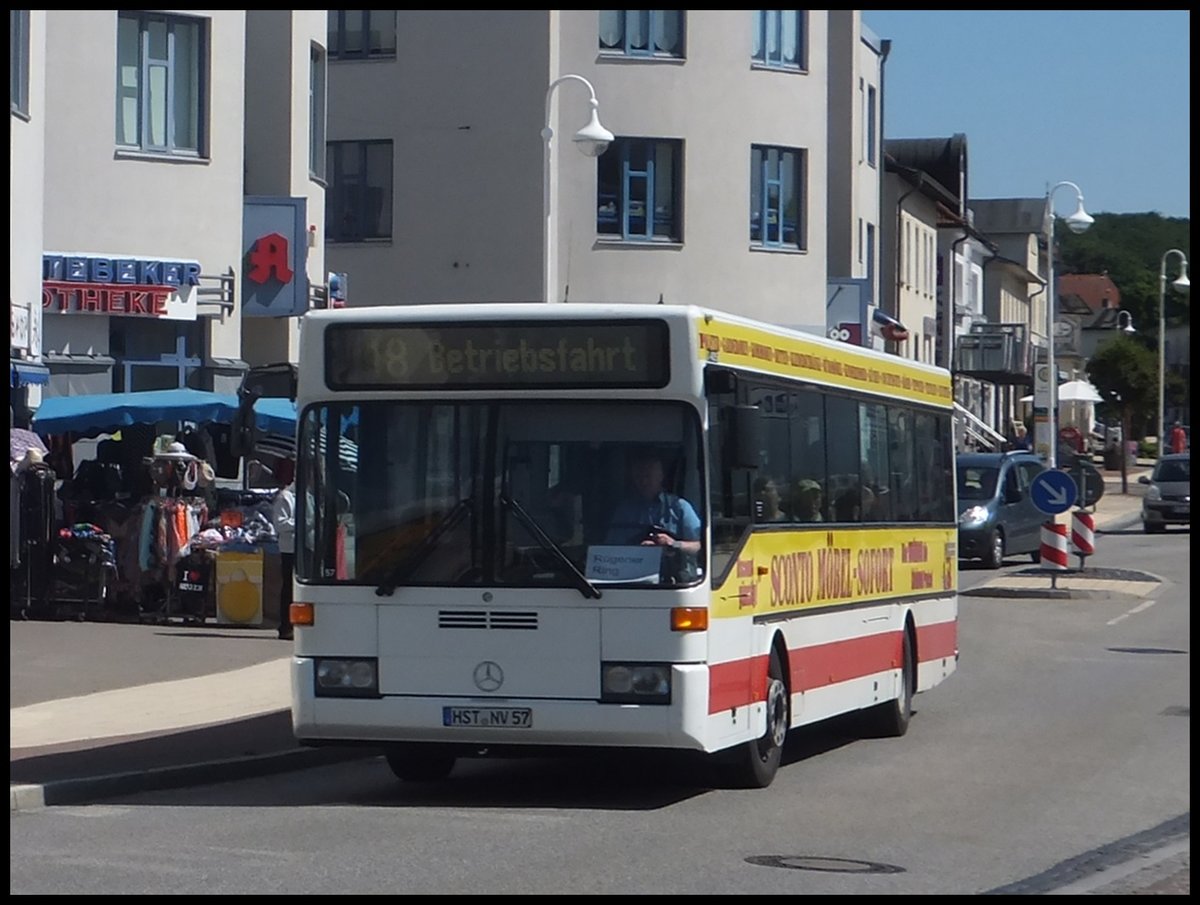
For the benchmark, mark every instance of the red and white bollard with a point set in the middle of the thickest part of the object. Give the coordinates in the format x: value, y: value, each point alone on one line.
x: 1083, y: 534
x: 1054, y: 549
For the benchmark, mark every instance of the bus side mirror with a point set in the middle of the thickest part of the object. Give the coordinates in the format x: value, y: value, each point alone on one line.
x: 745, y: 441
x: 719, y: 382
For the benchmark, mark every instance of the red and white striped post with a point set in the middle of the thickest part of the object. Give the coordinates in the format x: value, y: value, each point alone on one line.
x: 1054, y: 550
x: 1083, y: 534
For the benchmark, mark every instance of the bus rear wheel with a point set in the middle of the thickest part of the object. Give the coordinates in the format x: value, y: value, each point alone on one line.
x: 753, y: 764
x: 419, y: 763
x: 891, y: 719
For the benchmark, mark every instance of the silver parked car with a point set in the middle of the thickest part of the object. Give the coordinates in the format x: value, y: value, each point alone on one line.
x: 1168, y: 499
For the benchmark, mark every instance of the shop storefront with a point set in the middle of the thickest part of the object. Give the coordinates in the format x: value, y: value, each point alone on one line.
x: 117, y: 324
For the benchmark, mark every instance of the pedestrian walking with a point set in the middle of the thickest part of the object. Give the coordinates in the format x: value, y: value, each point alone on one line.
x: 1179, y: 438
x: 283, y: 514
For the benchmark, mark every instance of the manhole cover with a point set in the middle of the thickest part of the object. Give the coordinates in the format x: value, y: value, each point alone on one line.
x: 823, y: 864
x: 1145, y: 650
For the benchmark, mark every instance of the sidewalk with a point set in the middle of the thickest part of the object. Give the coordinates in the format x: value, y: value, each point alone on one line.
x: 98, y: 710
x: 171, y: 733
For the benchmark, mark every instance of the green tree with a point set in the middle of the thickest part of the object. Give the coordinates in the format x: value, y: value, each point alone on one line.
x: 1125, y: 373
x: 1130, y: 248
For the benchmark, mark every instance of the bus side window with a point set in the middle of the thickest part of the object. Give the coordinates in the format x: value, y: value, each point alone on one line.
x: 727, y: 528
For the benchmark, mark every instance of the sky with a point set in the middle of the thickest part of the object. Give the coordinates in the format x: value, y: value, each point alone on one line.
x: 1098, y: 98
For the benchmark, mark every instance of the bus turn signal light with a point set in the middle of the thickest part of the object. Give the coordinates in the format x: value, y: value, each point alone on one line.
x: 689, y: 619
x: 302, y: 613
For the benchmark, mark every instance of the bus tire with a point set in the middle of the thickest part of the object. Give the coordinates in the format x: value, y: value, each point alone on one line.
x: 753, y: 764
x: 419, y: 763
x: 891, y: 719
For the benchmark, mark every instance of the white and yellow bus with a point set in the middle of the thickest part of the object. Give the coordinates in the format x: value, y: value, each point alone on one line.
x: 466, y: 580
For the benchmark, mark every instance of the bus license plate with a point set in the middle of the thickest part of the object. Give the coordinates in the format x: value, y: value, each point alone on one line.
x: 488, y: 717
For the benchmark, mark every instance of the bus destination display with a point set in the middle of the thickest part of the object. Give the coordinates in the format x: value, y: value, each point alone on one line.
x: 531, y: 354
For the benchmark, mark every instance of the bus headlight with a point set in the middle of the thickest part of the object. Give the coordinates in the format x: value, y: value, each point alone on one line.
x: 635, y: 683
x: 345, y: 678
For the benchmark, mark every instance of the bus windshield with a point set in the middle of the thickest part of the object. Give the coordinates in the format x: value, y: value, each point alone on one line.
x: 499, y: 493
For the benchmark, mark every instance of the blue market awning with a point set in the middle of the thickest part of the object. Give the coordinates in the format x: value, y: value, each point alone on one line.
x: 104, y: 412
x: 24, y: 373
x: 276, y: 416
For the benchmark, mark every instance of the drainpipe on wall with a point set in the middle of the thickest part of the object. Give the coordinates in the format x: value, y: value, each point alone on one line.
x: 953, y: 299
x: 885, y: 48
x: 900, y: 242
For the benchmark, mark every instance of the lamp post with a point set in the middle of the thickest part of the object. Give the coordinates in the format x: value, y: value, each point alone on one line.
x: 1078, y: 222
x: 592, y: 140
x: 1182, y: 285
x: 1125, y: 323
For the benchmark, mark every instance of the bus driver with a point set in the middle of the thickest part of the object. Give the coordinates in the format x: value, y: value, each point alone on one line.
x: 651, y: 515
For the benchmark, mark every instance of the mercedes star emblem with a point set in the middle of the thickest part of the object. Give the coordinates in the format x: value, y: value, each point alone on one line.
x: 488, y: 676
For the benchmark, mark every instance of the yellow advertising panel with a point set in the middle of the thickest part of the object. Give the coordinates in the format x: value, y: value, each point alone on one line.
x: 781, y: 571
x: 837, y: 365
x: 240, y: 587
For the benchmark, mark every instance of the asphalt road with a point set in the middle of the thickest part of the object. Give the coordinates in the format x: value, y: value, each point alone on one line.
x: 1055, y: 759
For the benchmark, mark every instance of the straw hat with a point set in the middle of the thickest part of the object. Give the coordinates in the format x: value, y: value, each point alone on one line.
x: 175, y: 450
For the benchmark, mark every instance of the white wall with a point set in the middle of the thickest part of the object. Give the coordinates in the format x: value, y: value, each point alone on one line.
x: 27, y: 144
x: 468, y: 210
x: 100, y: 201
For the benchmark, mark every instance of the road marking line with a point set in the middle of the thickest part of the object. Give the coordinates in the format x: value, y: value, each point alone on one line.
x: 1144, y: 605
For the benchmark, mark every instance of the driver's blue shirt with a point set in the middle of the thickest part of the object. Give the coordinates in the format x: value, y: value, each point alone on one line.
x: 632, y: 519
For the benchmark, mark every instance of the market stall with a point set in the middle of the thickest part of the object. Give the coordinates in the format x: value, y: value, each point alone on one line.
x: 155, y: 526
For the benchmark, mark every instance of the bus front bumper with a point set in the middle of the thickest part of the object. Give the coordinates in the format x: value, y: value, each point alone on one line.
x: 681, y: 724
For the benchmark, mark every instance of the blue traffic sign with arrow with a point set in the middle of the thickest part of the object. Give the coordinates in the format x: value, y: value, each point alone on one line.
x: 1053, y: 491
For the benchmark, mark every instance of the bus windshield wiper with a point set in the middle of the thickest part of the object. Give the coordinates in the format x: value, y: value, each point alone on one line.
x: 586, y: 588
x: 409, y: 565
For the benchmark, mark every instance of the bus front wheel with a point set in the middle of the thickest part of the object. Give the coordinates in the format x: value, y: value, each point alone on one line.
x: 419, y: 763
x: 753, y: 764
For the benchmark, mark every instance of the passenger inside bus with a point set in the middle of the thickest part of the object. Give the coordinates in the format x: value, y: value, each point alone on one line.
x: 766, y: 500
x: 807, y: 501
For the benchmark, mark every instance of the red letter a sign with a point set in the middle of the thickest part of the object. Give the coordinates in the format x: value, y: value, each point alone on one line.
x: 270, y: 255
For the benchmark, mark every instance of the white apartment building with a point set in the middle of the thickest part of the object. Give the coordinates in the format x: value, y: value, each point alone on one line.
x: 171, y: 171
x: 715, y: 190
x: 168, y: 200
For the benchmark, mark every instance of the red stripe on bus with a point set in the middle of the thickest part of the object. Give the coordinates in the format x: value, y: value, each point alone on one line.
x: 937, y: 641
x: 743, y: 682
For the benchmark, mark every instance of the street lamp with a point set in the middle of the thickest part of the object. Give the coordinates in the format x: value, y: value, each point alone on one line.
x: 1078, y: 222
x: 1128, y: 318
x: 592, y: 140
x: 1182, y: 285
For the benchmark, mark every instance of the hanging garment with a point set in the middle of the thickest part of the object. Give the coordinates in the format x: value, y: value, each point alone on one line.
x: 146, y: 536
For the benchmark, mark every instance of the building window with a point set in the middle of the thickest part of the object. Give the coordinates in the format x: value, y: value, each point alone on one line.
x: 156, y: 355
x: 871, y: 257
x: 362, y: 34
x: 777, y: 198
x: 316, y: 113
x: 160, y: 87
x: 642, y: 32
x: 637, y: 175
x: 779, y: 39
x: 18, y: 74
x: 358, y: 202
x: 869, y: 131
